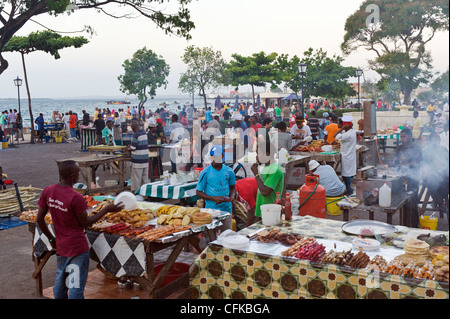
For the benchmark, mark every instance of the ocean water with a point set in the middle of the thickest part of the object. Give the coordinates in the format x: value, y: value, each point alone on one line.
x: 47, y: 106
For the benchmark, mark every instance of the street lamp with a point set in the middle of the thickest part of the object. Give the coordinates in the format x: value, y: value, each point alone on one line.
x: 359, y: 73
x: 302, y: 68
x: 18, y: 83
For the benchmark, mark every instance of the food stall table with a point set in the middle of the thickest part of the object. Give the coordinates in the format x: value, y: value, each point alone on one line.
x: 400, y: 203
x: 260, y: 271
x: 332, y: 157
x: 106, y: 149
x: 383, y: 139
x: 126, y: 256
x: 161, y: 190
x: 89, y: 165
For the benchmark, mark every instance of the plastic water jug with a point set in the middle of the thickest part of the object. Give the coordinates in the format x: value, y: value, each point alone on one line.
x: 384, y: 196
x: 283, y: 156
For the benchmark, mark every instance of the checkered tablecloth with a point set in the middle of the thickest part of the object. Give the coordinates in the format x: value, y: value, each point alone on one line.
x: 116, y: 254
x: 160, y: 190
x: 395, y: 136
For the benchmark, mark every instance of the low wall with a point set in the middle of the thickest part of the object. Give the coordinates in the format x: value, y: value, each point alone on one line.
x: 389, y: 119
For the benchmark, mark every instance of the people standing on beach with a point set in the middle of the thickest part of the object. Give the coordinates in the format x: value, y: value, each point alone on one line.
x: 139, y: 157
x: 11, y: 118
x: 99, y: 125
x: 19, y: 125
x: 3, y: 120
x: 96, y: 113
x: 40, y: 123
x: 72, y: 125
x: 68, y: 210
x: 66, y: 118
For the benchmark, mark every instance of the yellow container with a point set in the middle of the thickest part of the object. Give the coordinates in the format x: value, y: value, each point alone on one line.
x: 427, y: 223
x: 58, y: 139
x: 332, y: 208
x: 5, y: 144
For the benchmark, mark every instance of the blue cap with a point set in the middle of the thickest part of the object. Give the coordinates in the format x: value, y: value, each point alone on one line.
x: 326, y: 114
x: 217, y: 150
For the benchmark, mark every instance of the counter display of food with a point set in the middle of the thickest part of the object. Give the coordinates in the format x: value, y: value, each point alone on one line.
x: 124, y: 243
x: 314, y: 258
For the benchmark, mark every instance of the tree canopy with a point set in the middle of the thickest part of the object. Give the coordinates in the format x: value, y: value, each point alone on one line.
x: 398, y: 32
x: 46, y: 41
x: 144, y: 74
x: 14, y: 14
x: 206, y: 70
x: 258, y: 70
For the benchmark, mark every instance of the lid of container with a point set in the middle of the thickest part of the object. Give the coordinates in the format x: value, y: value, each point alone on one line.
x: 235, y: 241
x: 366, y: 244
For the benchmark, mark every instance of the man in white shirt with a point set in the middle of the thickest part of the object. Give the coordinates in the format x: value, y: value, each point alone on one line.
x: 66, y: 119
x: 299, y: 131
x: 346, y: 135
x: 328, y: 179
x: 251, y: 110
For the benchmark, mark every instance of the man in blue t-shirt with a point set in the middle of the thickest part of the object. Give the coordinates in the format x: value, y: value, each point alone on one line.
x: 216, y: 183
x: 208, y: 115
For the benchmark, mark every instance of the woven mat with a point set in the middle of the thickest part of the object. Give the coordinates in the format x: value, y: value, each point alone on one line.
x: 10, y: 222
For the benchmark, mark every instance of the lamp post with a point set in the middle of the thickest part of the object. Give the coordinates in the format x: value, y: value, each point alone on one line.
x: 302, y: 68
x: 18, y: 83
x: 359, y: 73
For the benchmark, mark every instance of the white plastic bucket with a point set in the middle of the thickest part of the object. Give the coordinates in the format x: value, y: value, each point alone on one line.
x: 271, y: 214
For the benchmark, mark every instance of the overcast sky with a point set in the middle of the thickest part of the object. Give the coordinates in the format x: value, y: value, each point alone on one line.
x: 233, y: 26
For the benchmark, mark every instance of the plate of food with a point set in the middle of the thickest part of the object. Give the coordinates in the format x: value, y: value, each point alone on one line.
x: 367, y: 228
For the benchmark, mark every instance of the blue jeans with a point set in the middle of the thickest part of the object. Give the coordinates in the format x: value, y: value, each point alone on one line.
x: 348, y: 185
x: 73, y: 132
x: 71, y: 276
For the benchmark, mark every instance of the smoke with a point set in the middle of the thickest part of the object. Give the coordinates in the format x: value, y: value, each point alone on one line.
x: 433, y: 169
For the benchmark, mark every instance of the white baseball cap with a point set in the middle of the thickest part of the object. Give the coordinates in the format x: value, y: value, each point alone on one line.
x: 313, y: 164
x: 238, y: 117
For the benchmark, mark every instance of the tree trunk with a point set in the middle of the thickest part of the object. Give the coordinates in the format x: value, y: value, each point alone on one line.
x: 407, y: 96
x: 204, y: 97
x: 253, y: 94
x: 29, y: 98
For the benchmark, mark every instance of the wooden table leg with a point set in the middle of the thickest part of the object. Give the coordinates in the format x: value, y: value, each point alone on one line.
x: 151, y: 284
x: 345, y: 214
x: 39, y: 263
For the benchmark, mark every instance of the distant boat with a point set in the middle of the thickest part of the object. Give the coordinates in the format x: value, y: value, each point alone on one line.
x: 113, y: 102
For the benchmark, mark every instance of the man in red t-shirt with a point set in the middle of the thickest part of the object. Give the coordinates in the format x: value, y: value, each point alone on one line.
x: 69, y: 217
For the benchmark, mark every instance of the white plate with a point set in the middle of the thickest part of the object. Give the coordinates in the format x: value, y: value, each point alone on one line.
x: 128, y: 199
x: 214, y: 212
x: 235, y: 241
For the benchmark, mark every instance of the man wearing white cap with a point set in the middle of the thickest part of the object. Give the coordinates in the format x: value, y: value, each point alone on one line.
x: 327, y: 178
x: 347, y: 137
